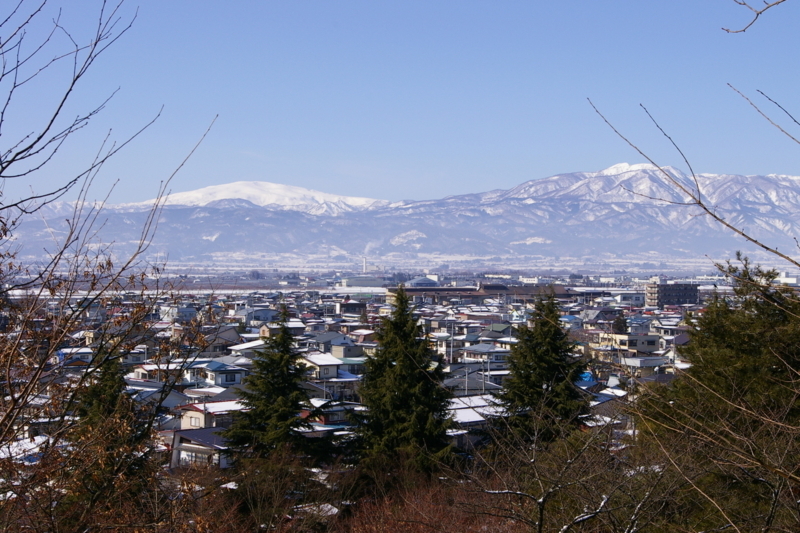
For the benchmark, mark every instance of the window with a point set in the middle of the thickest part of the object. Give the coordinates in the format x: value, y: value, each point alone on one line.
x: 326, y: 371
x: 230, y: 378
x: 651, y: 343
x: 198, y: 458
x: 633, y: 342
x: 194, y: 421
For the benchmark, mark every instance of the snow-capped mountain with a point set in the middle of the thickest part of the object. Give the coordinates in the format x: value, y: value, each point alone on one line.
x: 265, y: 194
x: 625, y: 210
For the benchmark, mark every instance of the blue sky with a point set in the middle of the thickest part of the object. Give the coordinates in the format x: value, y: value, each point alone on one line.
x: 423, y: 99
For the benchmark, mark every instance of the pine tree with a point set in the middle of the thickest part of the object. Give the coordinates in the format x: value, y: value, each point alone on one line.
x: 540, y: 391
x: 105, y: 407
x: 105, y: 395
x: 402, y: 389
x: 620, y: 325
x: 273, y: 398
x: 729, y: 422
x: 114, y: 435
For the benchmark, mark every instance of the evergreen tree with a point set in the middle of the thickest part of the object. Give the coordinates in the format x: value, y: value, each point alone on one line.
x: 403, y: 392
x: 104, y: 395
x: 114, y: 435
x: 745, y: 359
x: 273, y: 398
x: 620, y: 325
x: 729, y: 422
x: 104, y: 406
x: 540, y: 391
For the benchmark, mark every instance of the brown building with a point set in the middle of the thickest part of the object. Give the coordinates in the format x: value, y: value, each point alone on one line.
x: 661, y: 294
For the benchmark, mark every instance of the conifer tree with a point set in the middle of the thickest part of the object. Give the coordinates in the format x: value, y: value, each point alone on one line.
x: 105, y: 395
x: 273, y: 398
x: 729, y: 421
x: 540, y: 390
x: 114, y: 436
x: 403, y: 392
x: 620, y: 325
x: 105, y: 407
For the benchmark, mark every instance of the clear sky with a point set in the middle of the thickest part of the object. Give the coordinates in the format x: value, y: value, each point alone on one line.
x: 423, y: 99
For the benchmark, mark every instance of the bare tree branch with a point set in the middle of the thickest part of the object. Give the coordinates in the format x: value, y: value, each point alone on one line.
x: 695, y: 197
x: 757, y: 12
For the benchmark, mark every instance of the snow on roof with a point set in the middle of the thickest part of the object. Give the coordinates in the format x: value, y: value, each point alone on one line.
x: 82, y: 349
x: 204, y: 391
x: 594, y: 421
x: 22, y: 450
x: 466, y: 416
x: 317, y: 509
x: 322, y: 359
x: 252, y: 345
x: 495, y: 372
x: 216, y: 366
x: 463, y: 402
x: 216, y: 407
x: 319, y: 402
x: 163, y: 366
x: 484, y: 348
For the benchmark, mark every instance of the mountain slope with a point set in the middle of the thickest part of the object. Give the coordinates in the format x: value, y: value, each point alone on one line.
x: 625, y: 210
x: 266, y: 194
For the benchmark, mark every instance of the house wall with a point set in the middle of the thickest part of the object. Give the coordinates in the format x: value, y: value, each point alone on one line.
x: 196, y: 420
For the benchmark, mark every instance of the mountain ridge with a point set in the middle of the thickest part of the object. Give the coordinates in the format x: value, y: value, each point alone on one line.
x: 622, y: 210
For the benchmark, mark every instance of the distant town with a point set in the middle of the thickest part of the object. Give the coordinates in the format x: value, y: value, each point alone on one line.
x: 470, y: 323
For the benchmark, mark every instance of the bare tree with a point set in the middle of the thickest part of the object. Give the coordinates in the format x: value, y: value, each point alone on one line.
x: 51, y: 480
x: 757, y: 12
x: 587, y: 480
x: 728, y: 426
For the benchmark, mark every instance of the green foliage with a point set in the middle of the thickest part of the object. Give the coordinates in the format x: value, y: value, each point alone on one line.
x: 403, y: 392
x: 273, y: 398
x: 272, y: 486
x: 540, y: 390
x: 104, y: 407
x: 745, y: 358
x: 113, y: 436
x: 729, y: 423
x: 105, y: 395
x: 620, y: 325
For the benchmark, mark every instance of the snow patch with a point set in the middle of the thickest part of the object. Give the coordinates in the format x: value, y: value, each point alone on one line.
x: 264, y: 193
x: 407, y: 237
x: 533, y: 240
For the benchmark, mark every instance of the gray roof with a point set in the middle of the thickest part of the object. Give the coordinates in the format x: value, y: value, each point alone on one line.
x: 206, y: 436
x: 485, y: 348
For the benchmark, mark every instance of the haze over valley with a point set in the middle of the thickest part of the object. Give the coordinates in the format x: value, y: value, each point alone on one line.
x: 623, y: 215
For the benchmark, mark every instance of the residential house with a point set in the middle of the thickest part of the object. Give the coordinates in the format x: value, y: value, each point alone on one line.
x: 247, y: 349
x: 218, y: 414
x: 489, y: 354
x: 203, y: 447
